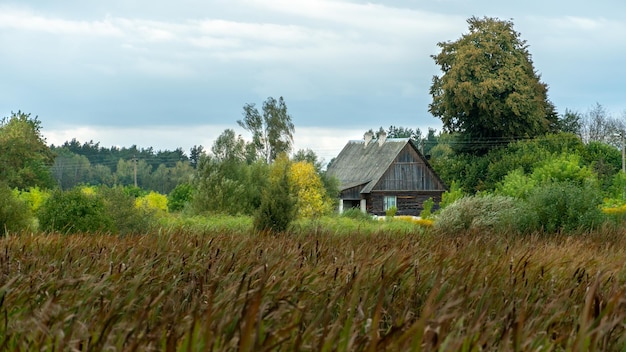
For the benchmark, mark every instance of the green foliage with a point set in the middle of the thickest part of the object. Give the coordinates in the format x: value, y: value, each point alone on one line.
x: 356, y: 213
x: 126, y: 217
x: 571, y: 122
x: 14, y: 213
x: 309, y: 156
x: 489, y: 91
x: 617, y: 189
x: 566, y: 207
x: 25, y: 159
x: 227, y: 146
x: 34, y: 197
x: 564, y: 168
x: 605, y: 160
x: 278, y: 208
x: 272, y: 132
x: 484, y: 173
x: 134, y: 192
x: 452, y: 195
x: 391, y: 212
x: 160, y: 171
x: 493, y: 214
x: 70, y: 169
x: 179, y: 197
x: 73, y: 211
x: 228, y: 187
x: 516, y: 184
x: 427, y: 210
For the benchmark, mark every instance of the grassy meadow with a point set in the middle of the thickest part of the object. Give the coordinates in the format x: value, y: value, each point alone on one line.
x: 326, y: 286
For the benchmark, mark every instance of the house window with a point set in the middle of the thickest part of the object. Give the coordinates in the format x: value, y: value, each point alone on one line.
x: 389, y: 202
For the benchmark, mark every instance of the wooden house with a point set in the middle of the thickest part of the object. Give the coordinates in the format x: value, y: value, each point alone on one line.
x: 375, y: 175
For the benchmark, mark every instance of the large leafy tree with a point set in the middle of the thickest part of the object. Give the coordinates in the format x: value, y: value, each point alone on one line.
x: 307, y: 187
x: 272, y: 131
x: 489, y: 92
x: 229, y: 147
x: 25, y: 158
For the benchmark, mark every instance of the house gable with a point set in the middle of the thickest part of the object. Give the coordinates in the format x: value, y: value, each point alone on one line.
x: 409, y: 171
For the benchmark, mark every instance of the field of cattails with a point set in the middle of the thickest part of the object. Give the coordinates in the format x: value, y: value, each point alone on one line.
x: 180, y: 290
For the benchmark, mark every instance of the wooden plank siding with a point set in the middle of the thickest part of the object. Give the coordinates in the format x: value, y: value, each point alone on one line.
x: 408, y: 203
x: 408, y: 172
x: 353, y: 193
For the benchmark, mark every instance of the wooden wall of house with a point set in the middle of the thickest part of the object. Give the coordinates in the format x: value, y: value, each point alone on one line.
x: 409, y: 172
x: 408, y: 203
x: 353, y: 193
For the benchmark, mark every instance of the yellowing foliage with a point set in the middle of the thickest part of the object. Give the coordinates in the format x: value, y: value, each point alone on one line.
x: 34, y: 197
x: 619, y: 210
x: 307, y: 186
x: 88, y: 190
x: 152, y: 201
x: 415, y: 220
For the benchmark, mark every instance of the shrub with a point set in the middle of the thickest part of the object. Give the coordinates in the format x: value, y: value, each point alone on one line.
x: 566, y: 207
x: 617, y: 189
x: 308, y: 189
x: 34, y: 197
x: 74, y: 211
x: 488, y: 213
x: 427, y: 212
x: 120, y: 207
x: 179, y: 197
x: 152, y: 202
x: 516, y: 184
x: 391, y: 212
x: 452, y: 195
x: 616, y: 213
x: 14, y: 213
x: 565, y: 168
x: 278, y: 208
x: 356, y: 213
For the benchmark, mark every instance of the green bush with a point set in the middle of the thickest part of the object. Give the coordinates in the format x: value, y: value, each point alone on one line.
x: 427, y: 212
x: 278, y: 207
x: 516, y: 184
x: 179, y: 197
x: 566, y: 207
x: 14, y: 213
x: 356, y: 213
x: 74, y: 211
x: 452, y: 195
x: 391, y: 212
x: 126, y: 217
x: 488, y: 213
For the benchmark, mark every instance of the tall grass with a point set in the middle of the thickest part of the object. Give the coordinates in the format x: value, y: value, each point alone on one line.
x: 186, y: 290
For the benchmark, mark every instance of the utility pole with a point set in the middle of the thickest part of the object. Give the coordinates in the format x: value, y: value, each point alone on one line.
x: 623, y: 154
x: 135, y: 169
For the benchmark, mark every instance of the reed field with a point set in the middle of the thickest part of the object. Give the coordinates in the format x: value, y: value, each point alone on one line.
x: 314, y: 289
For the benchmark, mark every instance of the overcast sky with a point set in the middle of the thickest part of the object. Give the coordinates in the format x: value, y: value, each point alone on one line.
x: 171, y: 74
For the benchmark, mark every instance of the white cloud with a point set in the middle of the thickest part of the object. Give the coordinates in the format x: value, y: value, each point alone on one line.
x: 21, y: 19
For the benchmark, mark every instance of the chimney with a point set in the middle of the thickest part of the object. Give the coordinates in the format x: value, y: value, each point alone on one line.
x: 368, y: 138
x: 382, y: 136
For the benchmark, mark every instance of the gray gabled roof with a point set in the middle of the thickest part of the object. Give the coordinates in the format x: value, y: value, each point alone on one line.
x: 360, y: 164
